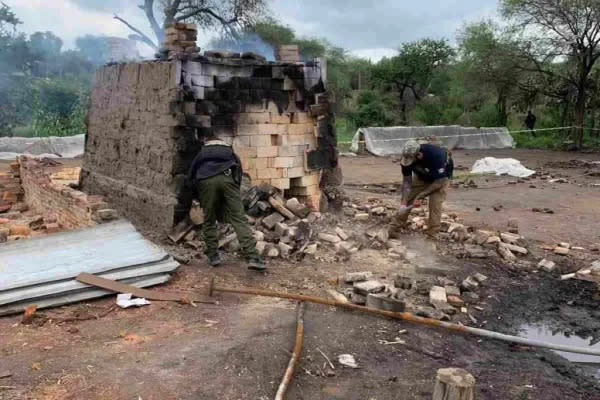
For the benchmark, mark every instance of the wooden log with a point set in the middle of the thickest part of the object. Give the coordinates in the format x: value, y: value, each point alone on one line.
x: 453, y: 384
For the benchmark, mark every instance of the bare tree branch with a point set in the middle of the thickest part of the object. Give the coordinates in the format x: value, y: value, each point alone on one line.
x: 148, y: 8
x: 142, y: 37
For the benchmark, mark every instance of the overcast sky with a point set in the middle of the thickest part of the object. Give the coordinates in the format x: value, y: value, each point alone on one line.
x: 368, y: 28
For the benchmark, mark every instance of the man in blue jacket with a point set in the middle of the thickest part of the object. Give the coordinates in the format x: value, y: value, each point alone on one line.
x: 427, y: 170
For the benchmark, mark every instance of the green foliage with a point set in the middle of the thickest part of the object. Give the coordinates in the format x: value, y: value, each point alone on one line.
x: 274, y: 33
x: 43, y: 90
x: 59, y: 108
x: 370, y: 111
x: 8, y: 20
x: 487, y: 116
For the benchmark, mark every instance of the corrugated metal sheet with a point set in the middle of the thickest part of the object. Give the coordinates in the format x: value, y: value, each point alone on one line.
x: 64, y: 255
x: 42, y: 270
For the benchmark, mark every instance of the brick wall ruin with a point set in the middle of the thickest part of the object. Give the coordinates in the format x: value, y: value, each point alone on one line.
x: 67, y: 207
x: 146, y: 121
x: 11, y: 191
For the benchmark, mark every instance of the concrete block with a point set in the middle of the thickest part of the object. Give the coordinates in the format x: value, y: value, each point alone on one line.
x: 469, y: 284
x: 505, y: 253
x: 302, y: 118
x: 202, y: 80
x: 242, y: 141
x: 437, y: 294
x: 294, y: 140
x: 510, y: 238
x: 269, y: 173
x: 311, y: 249
x: 297, y: 208
x: 281, y: 183
x: 383, y: 301
x: 273, y: 219
x: 282, y: 162
x: 329, y: 238
x: 515, y: 248
x: 284, y: 118
x: 302, y: 129
x: 284, y: 249
x: 307, y: 180
x: 479, y: 277
x: 563, y: 251
x: 352, y: 277
x: 547, y: 265
x: 267, y: 152
x: 295, y: 172
x: 304, y: 191
x: 341, y: 233
x: 254, y: 118
x: 260, y: 141
x: 361, y: 216
x: 452, y: 290
x: 367, y: 287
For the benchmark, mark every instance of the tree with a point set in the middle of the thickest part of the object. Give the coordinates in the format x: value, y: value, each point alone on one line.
x: 489, y: 58
x: 411, y: 71
x: 8, y: 21
x: 561, y: 31
x: 231, y: 15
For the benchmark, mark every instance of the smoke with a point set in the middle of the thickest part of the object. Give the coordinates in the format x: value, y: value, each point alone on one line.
x: 112, y: 6
x: 248, y: 42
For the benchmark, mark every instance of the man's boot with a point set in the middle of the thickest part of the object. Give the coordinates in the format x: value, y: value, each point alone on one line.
x: 214, y: 260
x: 256, y: 264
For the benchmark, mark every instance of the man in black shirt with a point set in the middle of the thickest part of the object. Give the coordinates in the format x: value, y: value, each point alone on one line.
x: 216, y: 173
x: 427, y: 170
x: 530, y: 122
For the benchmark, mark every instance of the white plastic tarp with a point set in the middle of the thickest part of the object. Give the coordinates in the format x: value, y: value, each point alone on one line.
x: 53, y: 146
x: 500, y: 166
x: 390, y: 141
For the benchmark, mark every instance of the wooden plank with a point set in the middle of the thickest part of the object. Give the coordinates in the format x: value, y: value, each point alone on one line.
x: 279, y: 205
x: 54, y: 289
x: 118, y: 287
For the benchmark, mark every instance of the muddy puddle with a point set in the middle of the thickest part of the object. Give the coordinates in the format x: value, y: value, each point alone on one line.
x: 590, y: 364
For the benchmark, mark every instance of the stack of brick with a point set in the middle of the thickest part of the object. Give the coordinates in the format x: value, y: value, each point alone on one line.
x: 287, y: 53
x: 147, y: 120
x: 70, y: 208
x: 11, y: 191
x: 180, y: 39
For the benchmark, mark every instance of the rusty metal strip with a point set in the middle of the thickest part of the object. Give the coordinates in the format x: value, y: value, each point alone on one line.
x: 118, y: 287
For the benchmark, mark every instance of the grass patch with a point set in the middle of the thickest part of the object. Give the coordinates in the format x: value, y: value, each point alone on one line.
x: 345, y: 132
x: 542, y: 140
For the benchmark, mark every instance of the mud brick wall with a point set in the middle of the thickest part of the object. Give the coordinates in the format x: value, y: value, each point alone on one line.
x: 72, y: 208
x: 147, y: 120
x: 131, y: 148
x: 11, y: 191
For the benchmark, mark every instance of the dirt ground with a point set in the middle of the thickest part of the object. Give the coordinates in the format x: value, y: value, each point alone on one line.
x: 239, y: 348
x: 575, y: 204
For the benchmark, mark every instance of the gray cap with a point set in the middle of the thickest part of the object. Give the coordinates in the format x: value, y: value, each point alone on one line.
x: 409, y: 152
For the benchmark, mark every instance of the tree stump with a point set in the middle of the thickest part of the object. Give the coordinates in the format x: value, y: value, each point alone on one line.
x: 453, y: 384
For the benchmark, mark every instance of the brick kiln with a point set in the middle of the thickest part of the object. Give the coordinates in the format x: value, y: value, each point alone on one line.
x: 146, y: 119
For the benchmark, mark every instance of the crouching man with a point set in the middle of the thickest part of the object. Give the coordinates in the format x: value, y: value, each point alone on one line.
x: 427, y: 170
x: 216, y: 173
